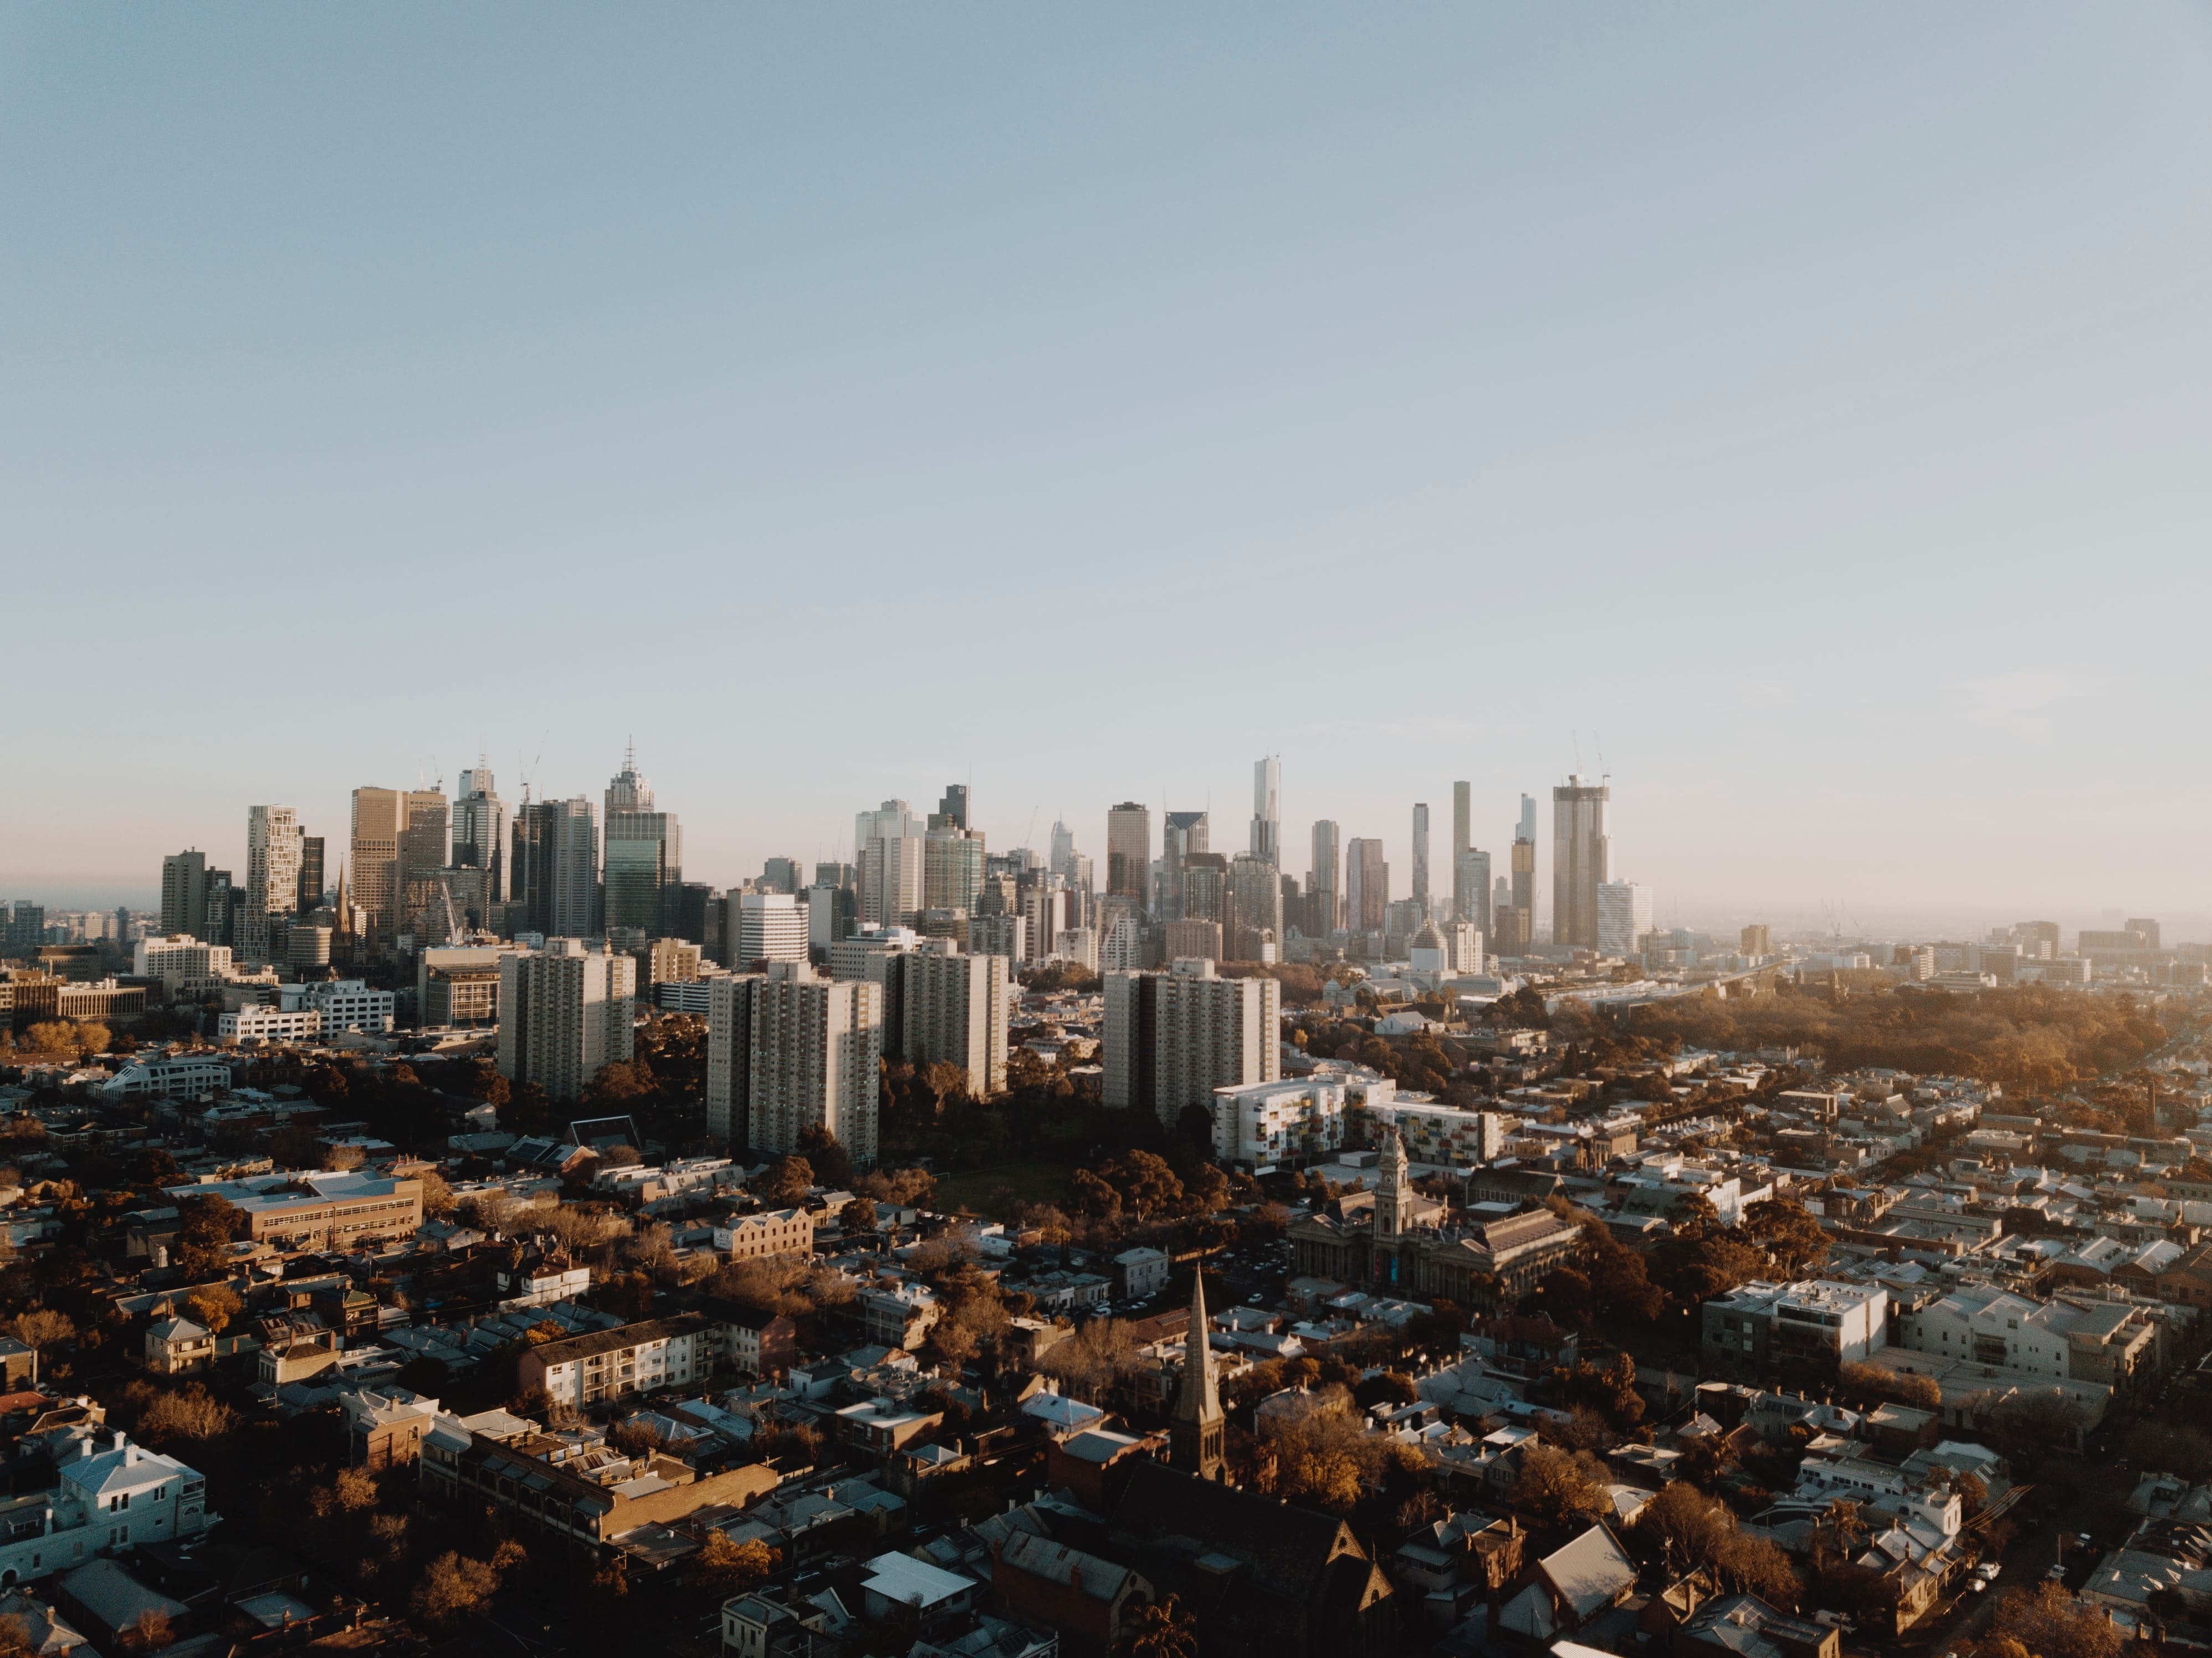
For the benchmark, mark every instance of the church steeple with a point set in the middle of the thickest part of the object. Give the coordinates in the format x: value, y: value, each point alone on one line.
x: 1195, y: 1433
x: 1393, y: 1193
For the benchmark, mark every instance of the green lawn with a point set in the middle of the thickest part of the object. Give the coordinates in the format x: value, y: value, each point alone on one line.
x: 1032, y: 1181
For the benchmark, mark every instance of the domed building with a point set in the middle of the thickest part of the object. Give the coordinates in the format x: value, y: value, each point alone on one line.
x: 1428, y: 952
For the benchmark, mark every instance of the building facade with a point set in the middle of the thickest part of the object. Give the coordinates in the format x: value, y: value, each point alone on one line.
x: 1172, y: 1038
x: 565, y: 1013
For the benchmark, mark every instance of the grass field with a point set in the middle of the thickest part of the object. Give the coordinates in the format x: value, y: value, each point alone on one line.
x: 1031, y: 1181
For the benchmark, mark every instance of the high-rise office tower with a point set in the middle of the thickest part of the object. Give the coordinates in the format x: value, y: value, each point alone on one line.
x: 788, y: 1052
x: 272, y: 875
x: 1043, y: 907
x: 373, y: 854
x: 1321, y: 880
x: 184, y: 896
x: 1756, y: 941
x: 1580, y: 847
x: 554, y: 869
x: 1183, y: 835
x: 784, y: 875
x: 1366, y: 886
x: 1129, y: 853
x: 1471, y: 889
x: 1172, y: 1038
x: 1524, y: 875
x: 1501, y: 894
x: 642, y: 859
x: 1204, y: 894
x: 1254, y: 917
x: 2148, y: 926
x: 1421, y: 855
x: 564, y: 1013
x: 888, y: 843
x: 222, y: 905
x: 480, y: 832
x: 1463, y: 902
x: 952, y: 870
x: 1527, y: 830
x: 1267, y: 809
x: 1063, y: 851
x: 1624, y: 916
x: 772, y: 926
x: 311, y: 874
x: 425, y: 841
x: 952, y: 811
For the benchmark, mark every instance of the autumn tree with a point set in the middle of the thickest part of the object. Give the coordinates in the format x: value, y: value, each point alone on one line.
x: 206, y: 1225
x: 787, y: 1182
x: 1687, y: 1531
x: 1558, y: 1488
x: 453, y: 1589
x: 40, y: 1328
x: 724, y: 1568
x: 212, y: 1307
x: 1163, y: 1629
x: 2048, y: 1622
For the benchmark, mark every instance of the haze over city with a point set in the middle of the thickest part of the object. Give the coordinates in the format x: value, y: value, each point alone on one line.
x: 1804, y: 411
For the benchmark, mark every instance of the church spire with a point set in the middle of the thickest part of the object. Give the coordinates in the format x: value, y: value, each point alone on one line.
x: 1194, y: 1434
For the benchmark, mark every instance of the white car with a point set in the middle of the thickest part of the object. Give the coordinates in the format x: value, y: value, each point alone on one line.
x: 1988, y: 1569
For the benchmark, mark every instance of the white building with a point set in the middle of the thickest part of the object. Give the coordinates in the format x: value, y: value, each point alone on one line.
x: 956, y: 1009
x: 184, y: 966
x: 349, y: 1004
x: 1287, y: 1124
x: 186, y: 1079
x: 1172, y: 1038
x: 772, y: 926
x: 862, y: 955
x: 272, y: 875
x: 1079, y: 946
x: 256, y: 1022
x: 564, y: 1014
x: 106, y: 1500
x: 1624, y: 916
x: 788, y: 1051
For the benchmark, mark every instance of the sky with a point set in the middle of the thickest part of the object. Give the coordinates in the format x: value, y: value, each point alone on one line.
x: 1799, y: 414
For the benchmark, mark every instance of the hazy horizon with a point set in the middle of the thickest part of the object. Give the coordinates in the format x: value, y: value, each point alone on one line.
x: 1800, y: 415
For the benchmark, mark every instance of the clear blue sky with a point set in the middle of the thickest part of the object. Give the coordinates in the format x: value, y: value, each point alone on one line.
x: 1810, y: 402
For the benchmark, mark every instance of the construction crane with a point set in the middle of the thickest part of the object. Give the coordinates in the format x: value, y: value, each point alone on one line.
x: 454, y: 935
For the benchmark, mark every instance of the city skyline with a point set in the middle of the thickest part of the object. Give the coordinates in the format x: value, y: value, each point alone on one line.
x: 1842, y: 913
x: 1836, y: 493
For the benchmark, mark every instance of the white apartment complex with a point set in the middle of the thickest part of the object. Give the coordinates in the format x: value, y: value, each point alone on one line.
x: 564, y: 1013
x: 184, y: 966
x: 1279, y: 1124
x: 256, y: 1022
x: 956, y: 1009
x: 1624, y: 916
x: 1172, y: 1038
x: 788, y: 1051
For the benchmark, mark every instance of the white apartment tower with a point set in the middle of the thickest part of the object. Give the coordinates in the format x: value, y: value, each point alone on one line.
x: 1624, y: 916
x: 564, y: 1013
x: 956, y: 1009
x: 1172, y: 1038
x: 787, y: 1051
x: 272, y: 874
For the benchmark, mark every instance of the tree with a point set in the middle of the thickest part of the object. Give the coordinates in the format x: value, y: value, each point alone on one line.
x: 191, y: 1416
x: 724, y: 1568
x: 787, y: 1182
x: 92, y: 1036
x: 454, y: 1588
x: 1687, y: 1531
x: 1145, y: 1181
x: 51, y: 1036
x: 212, y: 1306
x: 858, y: 1215
x: 149, y: 1632
x: 832, y: 1164
x: 1559, y: 1488
x: 1158, y: 1629
x: 2050, y: 1623
x: 438, y: 1198
x: 41, y: 1329
x: 205, y: 1226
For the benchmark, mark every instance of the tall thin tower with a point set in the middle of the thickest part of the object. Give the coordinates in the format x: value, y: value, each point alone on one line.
x: 1195, y: 1434
x: 1267, y: 809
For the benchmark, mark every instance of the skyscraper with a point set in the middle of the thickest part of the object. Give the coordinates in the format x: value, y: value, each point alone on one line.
x: 955, y: 1009
x: 1580, y: 847
x: 311, y: 873
x: 1322, y: 883
x: 1421, y: 855
x: 1254, y: 917
x: 952, y: 870
x: 1129, y: 853
x: 272, y: 875
x: 888, y: 843
x: 372, y: 855
x: 1471, y: 889
x: 554, y: 871
x: 1183, y: 834
x: 480, y: 832
x: 1462, y: 842
x: 1366, y: 886
x: 1756, y: 941
x: 643, y: 868
x: 425, y: 842
x: 952, y: 811
x: 772, y: 926
x: 184, y: 896
x: 1267, y: 809
x: 1527, y: 830
x: 1624, y: 916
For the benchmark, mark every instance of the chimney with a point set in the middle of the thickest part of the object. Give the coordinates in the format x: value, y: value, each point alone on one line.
x: 84, y: 1447
x: 121, y: 1439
